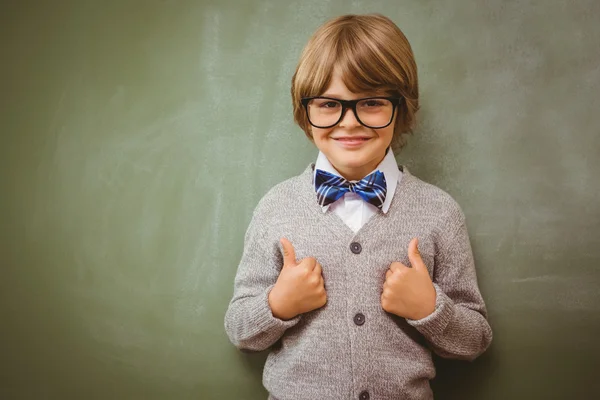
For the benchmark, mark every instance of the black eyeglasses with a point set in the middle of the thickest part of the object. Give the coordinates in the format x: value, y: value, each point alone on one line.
x: 372, y: 112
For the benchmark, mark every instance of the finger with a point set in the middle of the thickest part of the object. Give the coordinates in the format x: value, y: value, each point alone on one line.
x: 388, y: 274
x: 397, y: 267
x: 415, y: 256
x: 289, y: 254
x: 311, y: 263
x: 318, y: 269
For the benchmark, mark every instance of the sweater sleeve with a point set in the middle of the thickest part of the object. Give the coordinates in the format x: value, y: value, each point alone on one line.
x: 458, y: 327
x: 249, y: 322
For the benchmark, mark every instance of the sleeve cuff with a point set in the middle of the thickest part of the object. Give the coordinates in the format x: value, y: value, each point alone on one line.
x: 265, y: 321
x: 435, y: 323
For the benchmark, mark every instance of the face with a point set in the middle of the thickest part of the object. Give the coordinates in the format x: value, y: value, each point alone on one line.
x: 353, y: 149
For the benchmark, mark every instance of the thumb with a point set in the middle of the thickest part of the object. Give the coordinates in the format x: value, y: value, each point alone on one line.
x: 289, y: 254
x: 415, y: 256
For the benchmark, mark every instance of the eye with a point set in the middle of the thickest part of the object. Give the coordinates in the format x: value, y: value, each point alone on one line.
x: 372, y: 103
x: 329, y: 104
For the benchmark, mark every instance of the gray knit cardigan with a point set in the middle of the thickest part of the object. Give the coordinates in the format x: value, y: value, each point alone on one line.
x: 351, y: 348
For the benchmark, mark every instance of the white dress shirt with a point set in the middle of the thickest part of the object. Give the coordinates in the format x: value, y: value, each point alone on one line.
x: 351, y: 208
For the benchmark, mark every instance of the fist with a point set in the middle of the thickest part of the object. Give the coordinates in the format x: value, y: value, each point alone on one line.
x: 299, y: 288
x: 409, y: 292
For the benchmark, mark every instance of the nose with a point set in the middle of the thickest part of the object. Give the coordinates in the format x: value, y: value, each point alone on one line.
x: 349, y: 119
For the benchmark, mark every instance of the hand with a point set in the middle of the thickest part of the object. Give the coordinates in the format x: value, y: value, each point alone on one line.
x: 300, y: 287
x: 409, y: 292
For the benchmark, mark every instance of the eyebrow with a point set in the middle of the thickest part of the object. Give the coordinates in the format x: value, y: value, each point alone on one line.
x: 362, y: 96
x: 326, y: 94
x: 374, y: 93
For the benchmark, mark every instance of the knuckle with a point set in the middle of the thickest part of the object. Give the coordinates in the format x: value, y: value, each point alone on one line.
x: 306, y: 269
x: 304, y: 274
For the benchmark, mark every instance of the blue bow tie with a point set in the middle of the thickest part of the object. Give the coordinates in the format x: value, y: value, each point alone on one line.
x: 372, y: 188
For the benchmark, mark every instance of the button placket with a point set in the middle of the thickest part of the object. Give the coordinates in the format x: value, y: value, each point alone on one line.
x: 359, y: 318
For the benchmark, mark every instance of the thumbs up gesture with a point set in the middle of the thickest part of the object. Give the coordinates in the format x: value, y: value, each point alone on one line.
x: 409, y: 292
x: 299, y: 288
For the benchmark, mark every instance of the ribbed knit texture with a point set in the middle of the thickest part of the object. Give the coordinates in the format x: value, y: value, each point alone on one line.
x: 324, y: 354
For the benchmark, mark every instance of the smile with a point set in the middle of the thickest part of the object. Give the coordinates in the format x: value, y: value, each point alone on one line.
x: 351, y: 142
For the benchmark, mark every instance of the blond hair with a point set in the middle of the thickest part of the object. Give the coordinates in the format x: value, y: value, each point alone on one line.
x: 372, y: 54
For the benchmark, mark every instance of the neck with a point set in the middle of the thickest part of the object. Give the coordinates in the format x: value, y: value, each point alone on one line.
x: 356, y: 174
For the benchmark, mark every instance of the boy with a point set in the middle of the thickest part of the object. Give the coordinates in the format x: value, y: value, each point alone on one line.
x: 355, y: 270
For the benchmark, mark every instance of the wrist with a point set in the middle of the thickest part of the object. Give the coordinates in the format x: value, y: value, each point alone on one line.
x: 427, y: 309
x: 277, y: 309
x: 423, y: 314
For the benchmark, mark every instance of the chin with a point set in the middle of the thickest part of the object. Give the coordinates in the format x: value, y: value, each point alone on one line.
x: 354, y: 159
x: 351, y: 164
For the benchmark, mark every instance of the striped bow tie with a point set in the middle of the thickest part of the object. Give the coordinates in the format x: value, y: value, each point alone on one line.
x: 372, y: 188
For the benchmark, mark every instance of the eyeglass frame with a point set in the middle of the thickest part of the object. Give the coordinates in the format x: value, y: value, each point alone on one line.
x: 351, y: 104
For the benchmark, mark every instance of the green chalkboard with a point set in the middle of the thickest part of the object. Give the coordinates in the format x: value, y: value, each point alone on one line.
x: 138, y: 136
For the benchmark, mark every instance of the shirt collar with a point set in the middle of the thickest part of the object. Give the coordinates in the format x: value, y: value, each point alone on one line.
x: 388, y: 166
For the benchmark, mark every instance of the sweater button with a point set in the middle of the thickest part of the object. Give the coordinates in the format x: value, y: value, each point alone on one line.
x: 359, y: 319
x: 355, y: 247
x: 364, y: 395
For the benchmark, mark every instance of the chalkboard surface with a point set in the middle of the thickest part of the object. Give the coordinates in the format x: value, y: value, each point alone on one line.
x: 138, y: 136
